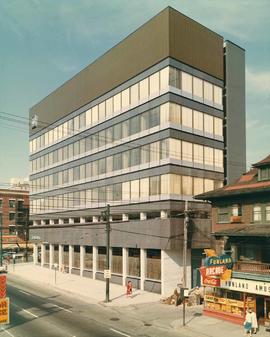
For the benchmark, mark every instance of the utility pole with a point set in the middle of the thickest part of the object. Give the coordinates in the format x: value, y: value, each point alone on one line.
x: 186, y: 221
x: 106, y: 216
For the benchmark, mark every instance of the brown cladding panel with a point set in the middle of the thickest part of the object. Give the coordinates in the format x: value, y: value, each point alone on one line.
x: 145, y: 47
x: 195, y: 45
x: 169, y: 33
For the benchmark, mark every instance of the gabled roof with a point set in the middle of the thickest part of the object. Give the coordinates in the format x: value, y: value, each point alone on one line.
x: 247, y: 183
x: 265, y: 161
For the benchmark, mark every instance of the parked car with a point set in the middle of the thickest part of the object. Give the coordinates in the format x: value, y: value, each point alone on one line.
x: 7, y: 255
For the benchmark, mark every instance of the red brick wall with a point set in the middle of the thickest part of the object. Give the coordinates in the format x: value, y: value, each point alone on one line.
x: 5, y: 195
x: 246, y: 219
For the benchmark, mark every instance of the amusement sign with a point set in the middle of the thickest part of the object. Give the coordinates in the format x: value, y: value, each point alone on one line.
x: 216, y: 268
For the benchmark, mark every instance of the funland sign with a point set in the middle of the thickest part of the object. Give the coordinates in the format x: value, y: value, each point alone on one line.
x: 215, y: 268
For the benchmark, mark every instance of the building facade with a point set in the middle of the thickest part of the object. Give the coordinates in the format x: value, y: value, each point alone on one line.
x: 241, y: 218
x: 143, y: 128
x: 14, y: 216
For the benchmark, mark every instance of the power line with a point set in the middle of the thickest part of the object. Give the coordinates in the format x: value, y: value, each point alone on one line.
x: 78, y: 130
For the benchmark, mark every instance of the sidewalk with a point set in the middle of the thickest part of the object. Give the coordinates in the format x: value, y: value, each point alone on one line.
x: 142, y: 306
x: 74, y: 284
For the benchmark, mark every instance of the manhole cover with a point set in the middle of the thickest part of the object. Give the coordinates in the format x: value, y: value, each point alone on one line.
x: 147, y: 324
x: 114, y: 319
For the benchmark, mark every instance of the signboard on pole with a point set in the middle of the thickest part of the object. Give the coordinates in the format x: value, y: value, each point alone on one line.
x: 3, y: 286
x: 216, y: 268
x: 107, y: 273
x: 211, y: 281
x: 212, y: 271
x: 4, y: 310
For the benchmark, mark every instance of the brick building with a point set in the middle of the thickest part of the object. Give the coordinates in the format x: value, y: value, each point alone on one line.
x: 14, y: 210
x: 241, y: 226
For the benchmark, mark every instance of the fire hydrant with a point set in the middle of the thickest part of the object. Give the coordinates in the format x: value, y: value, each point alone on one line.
x: 129, y: 288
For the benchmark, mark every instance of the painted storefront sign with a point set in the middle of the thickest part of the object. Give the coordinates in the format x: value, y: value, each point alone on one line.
x: 222, y: 260
x: 216, y: 268
x: 248, y: 286
x: 4, y: 310
x: 3, y: 286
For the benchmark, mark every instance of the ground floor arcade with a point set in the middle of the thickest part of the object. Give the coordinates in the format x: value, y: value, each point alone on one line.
x: 152, y: 270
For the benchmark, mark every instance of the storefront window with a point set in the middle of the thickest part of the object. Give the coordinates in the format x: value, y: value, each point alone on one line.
x: 88, y: 259
x: 227, y: 302
x: 76, y: 258
x: 101, y: 265
x: 117, y: 260
x: 134, y: 262
x: 153, y: 264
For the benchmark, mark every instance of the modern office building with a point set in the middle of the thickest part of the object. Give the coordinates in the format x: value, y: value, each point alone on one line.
x: 157, y: 119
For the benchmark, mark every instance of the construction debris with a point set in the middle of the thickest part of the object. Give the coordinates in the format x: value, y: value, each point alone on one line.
x: 173, y: 299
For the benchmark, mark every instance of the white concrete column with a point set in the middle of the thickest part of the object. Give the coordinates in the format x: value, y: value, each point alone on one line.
x: 51, y: 222
x: 143, y: 266
x: 95, y: 255
x: 164, y: 214
x: 42, y: 222
x: 35, y: 223
x: 70, y: 257
x: 125, y: 264
x: 71, y: 220
x: 42, y: 254
x: 143, y: 216
x: 35, y: 253
x: 51, y: 260
x: 124, y: 217
x: 82, y: 259
x: 61, y: 221
x: 60, y: 252
x: 95, y: 218
x: 82, y: 219
x: 171, y: 270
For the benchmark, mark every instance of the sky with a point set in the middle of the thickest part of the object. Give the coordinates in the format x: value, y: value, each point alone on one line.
x: 45, y: 42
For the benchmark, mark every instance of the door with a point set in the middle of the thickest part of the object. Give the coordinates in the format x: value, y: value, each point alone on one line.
x: 260, y: 309
x: 196, y: 262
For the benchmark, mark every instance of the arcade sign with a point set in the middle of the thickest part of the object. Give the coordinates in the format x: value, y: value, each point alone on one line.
x: 216, y: 268
x: 212, y: 271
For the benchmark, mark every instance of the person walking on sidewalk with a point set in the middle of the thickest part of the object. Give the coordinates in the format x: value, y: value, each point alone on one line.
x: 254, y: 322
x: 248, y: 322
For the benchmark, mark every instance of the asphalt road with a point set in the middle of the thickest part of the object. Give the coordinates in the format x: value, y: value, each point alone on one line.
x: 39, y: 312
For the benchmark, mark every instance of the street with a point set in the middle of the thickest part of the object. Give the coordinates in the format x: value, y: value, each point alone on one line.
x: 40, y: 311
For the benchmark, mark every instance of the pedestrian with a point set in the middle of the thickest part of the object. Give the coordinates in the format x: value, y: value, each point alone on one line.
x: 129, y: 289
x: 254, y: 322
x: 248, y: 322
x: 197, y: 293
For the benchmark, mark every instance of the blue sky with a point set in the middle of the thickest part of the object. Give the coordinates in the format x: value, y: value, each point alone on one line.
x: 45, y: 42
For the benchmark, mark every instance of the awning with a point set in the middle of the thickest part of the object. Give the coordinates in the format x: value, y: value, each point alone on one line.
x: 9, y: 246
x: 245, y: 230
x: 16, y: 246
